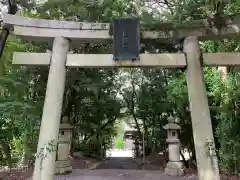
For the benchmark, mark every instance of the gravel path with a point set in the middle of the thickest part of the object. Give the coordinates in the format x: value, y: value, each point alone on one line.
x: 118, y: 163
x: 119, y: 169
x: 111, y: 169
x: 119, y: 174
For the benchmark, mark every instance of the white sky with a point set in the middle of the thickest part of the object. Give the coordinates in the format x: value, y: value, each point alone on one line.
x: 3, y: 8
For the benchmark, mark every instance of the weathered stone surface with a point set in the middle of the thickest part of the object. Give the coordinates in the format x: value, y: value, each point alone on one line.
x: 89, y: 32
x: 63, y: 167
x: 200, y: 114
x: 52, y: 109
x: 63, y: 152
x: 174, y: 154
x: 171, y: 126
x: 174, y: 168
x: 105, y: 60
x: 63, y: 163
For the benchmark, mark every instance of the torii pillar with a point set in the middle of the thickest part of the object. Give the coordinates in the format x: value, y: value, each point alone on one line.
x: 45, y: 167
x: 200, y: 114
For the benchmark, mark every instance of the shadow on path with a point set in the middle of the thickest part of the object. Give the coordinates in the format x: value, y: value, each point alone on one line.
x: 118, y: 168
x: 119, y: 163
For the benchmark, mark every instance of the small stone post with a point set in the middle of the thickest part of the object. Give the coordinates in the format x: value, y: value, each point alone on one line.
x: 174, y: 166
x: 63, y: 163
x: 46, y: 152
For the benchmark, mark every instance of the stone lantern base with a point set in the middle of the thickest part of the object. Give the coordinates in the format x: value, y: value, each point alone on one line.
x: 174, y: 169
x: 63, y: 167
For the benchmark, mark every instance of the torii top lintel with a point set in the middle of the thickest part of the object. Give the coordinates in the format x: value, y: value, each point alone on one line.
x: 98, y: 32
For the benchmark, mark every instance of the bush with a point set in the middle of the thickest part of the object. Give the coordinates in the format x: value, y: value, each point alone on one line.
x: 119, y: 143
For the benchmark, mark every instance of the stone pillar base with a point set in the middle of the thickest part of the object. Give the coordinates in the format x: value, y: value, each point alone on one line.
x: 174, y: 169
x: 63, y: 167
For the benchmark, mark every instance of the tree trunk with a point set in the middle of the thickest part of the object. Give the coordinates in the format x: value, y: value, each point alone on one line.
x: 165, y: 154
x: 7, y: 154
x: 184, y: 160
x: 26, y: 153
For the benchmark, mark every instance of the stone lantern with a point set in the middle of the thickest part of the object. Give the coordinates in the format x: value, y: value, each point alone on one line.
x: 174, y: 166
x: 63, y: 163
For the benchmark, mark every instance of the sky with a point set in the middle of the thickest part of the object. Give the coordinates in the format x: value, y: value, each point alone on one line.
x: 3, y: 8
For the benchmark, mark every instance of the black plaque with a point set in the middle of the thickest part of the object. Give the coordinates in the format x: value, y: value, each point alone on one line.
x: 126, y: 39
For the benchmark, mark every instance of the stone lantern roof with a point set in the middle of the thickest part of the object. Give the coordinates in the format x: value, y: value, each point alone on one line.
x: 131, y: 133
x: 171, y: 126
x: 65, y: 125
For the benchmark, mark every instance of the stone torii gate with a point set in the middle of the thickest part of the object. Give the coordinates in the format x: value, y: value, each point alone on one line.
x: 61, y: 33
